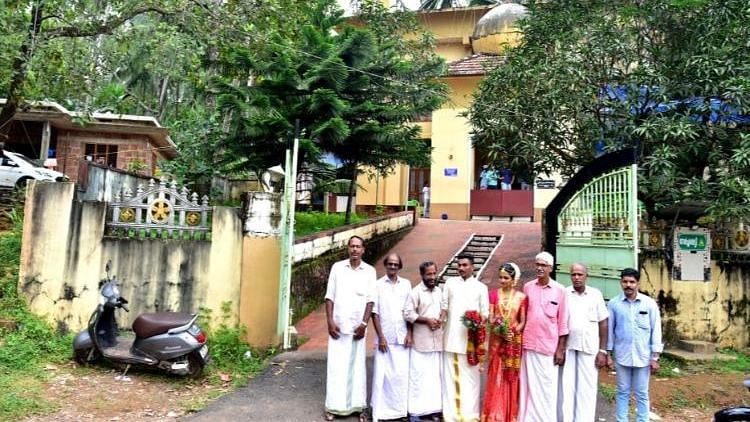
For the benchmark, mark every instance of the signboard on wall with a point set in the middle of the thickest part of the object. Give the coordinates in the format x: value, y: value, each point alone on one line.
x: 692, y: 254
x: 450, y: 172
x: 545, y: 184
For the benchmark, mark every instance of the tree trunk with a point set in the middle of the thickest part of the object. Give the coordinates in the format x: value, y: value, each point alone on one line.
x: 352, y: 189
x: 18, y: 71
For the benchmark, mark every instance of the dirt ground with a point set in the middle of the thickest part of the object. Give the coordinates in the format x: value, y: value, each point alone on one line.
x: 692, y: 397
x: 101, y: 394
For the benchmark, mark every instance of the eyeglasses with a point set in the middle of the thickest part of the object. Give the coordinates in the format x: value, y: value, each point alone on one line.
x: 391, y: 264
x: 577, y: 274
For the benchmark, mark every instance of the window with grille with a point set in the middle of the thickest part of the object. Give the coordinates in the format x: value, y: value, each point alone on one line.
x: 103, y: 154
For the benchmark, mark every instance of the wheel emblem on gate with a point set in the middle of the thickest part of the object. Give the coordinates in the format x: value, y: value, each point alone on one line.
x: 160, y: 211
x: 192, y: 218
x: 127, y: 215
x: 741, y: 239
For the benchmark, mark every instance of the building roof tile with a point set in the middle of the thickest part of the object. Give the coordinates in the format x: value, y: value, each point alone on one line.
x: 474, y: 65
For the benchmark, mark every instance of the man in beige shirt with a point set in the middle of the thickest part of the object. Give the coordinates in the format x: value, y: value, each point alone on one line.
x: 422, y: 312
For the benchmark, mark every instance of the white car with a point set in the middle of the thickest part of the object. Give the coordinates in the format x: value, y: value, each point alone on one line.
x: 16, y: 170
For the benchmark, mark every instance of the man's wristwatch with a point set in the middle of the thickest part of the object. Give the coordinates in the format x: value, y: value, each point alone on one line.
x: 602, y: 351
x: 655, y: 358
x: 363, y: 324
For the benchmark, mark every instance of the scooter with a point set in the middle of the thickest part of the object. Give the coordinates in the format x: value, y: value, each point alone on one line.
x: 168, y: 341
x: 734, y: 414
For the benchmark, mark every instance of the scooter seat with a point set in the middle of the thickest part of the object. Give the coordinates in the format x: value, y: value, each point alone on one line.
x: 149, y: 325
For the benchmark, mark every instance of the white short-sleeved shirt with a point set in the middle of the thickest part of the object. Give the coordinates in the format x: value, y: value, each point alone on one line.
x: 350, y: 289
x: 390, y: 301
x: 459, y: 296
x: 586, y: 310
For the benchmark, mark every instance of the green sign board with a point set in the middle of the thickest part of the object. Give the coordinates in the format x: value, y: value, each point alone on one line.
x: 692, y: 241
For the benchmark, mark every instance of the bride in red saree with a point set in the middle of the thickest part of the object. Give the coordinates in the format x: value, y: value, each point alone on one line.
x: 507, y: 320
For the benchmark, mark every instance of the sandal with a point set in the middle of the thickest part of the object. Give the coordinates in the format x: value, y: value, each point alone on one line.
x: 329, y: 416
x: 363, y: 417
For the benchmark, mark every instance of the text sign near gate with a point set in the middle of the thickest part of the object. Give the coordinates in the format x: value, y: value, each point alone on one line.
x: 692, y: 254
x: 692, y: 242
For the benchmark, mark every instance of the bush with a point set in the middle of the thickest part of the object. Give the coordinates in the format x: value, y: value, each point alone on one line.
x: 23, y: 351
x: 314, y: 221
x: 230, y: 354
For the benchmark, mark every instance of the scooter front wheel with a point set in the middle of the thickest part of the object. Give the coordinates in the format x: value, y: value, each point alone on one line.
x: 88, y: 355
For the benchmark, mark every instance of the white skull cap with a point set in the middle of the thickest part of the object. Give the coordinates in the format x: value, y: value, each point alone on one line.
x: 546, y: 257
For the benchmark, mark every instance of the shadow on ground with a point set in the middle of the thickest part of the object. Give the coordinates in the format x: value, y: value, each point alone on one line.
x: 292, y: 388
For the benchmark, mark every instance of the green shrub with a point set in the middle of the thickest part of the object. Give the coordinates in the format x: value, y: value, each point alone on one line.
x: 230, y: 354
x: 314, y: 221
x: 33, y: 343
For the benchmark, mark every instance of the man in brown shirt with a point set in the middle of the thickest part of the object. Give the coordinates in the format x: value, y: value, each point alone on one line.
x: 422, y: 312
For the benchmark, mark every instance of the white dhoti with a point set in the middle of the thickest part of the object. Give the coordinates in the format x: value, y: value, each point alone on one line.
x: 346, y: 376
x: 425, y: 383
x: 460, y: 389
x: 538, y: 396
x: 390, y: 383
x: 578, y: 387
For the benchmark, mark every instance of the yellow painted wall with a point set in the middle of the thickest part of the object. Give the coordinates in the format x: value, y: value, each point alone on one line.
x: 448, y: 131
x: 259, y: 291
x: 451, y: 150
x: 379, y: 190
x: 701, y: 309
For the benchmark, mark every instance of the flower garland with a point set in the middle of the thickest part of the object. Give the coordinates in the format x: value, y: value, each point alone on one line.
x: 477, y: 334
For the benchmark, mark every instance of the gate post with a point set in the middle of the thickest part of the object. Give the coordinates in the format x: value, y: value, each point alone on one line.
x: 259, y: 281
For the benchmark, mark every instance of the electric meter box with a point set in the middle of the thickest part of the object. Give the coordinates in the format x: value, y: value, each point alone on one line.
x: 692, y: 254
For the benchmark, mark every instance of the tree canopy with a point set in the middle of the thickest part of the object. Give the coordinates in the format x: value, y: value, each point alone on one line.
x: 354, y: 85
x: 669, y: 78
x: 230, y: 78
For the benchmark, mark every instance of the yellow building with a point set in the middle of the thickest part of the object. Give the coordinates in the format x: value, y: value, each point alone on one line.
x: 471, y: 40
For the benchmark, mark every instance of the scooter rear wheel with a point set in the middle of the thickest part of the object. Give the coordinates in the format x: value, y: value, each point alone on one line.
x: 85, y: 356
x: 195, y: 365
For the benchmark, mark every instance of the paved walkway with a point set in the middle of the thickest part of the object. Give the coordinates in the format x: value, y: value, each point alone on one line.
x: 293, y: 387
x: 438, y: 241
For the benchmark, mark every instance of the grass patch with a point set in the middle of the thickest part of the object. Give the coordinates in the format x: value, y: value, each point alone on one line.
x: 677, y: 400
x: 607, y: 391
x: 230, y: 355
x: 314, y: 221
x: 669, y: 368
x: 741, y: 365
x: 25, y: 350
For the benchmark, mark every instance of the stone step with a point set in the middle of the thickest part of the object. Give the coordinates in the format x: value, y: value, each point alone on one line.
x: 696, y: 346
x: 685, y: 356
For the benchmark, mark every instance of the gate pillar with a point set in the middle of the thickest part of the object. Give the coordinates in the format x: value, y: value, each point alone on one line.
x: 261, y: 253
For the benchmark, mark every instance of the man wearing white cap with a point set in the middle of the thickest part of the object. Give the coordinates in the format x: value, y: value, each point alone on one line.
x: 544, y: 343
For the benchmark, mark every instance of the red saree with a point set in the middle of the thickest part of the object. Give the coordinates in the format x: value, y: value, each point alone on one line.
x: 501, y: 392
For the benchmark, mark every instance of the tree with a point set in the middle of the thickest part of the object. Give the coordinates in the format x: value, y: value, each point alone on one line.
x: 671, y: 79
x: 354, y: 85
x: 445, y: 4
x: 153, y: 57
x: 31, y: 42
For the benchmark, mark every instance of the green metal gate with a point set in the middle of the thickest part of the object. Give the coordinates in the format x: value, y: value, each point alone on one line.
x: 598, y: 226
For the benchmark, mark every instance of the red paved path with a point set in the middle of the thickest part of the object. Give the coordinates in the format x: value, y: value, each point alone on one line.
x: 438, y: 240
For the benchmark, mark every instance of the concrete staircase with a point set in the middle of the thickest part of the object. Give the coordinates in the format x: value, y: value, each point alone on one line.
x: 481, y: 246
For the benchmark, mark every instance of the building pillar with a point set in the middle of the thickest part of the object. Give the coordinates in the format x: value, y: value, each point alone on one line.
x: 46, y: 134
x: 259, y: 281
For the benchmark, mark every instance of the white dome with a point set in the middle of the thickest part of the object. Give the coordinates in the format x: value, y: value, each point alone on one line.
x: 502, y: 18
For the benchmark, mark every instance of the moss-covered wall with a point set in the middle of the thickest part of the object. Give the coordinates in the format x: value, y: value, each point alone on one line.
x: 310, y: 277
